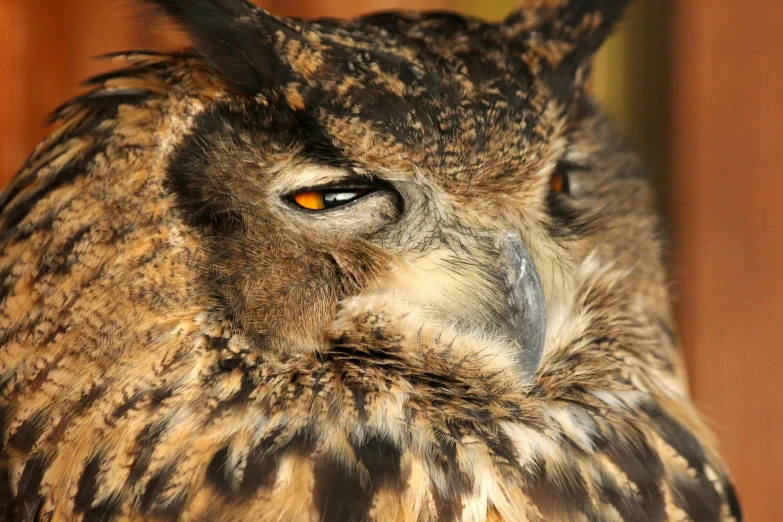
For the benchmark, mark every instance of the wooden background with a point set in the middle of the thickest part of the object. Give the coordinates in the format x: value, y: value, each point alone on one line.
x: 698, y: 87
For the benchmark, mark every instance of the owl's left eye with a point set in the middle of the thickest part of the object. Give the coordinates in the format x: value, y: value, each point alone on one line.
x: 559, y: 182
x: 328, y: 198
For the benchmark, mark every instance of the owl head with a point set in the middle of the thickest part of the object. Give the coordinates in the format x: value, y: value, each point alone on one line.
x: 393, y: 268
x: 457, y: 165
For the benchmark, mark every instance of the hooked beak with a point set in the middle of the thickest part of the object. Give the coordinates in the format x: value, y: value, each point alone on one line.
x: 526, y: 305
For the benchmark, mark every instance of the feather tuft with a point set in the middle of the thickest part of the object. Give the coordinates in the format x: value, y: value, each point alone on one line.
x: 235, y: 38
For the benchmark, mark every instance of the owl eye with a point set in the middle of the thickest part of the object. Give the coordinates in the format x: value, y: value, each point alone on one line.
x: 559, y: 182
x: 328, y: 198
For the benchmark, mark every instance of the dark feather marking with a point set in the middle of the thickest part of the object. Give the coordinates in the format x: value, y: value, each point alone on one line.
x: 644, y: 468
x: 104, y: 103
x: 503, y: 447
x: 58, y: 262
x: 126, y: 406
x: 133, y: 71
x: 9, y: 507
x: 23, y: 439
x: 171, y: 511
x: 5, y: 411
x: 561, y: 499
x: 240, y: 397
x: 218, y: 473
x: 80, y: 408
x: 359, y: 398
x: 448, y: 507
x: 7, y: 281
x: 112, y: 99
x: 568, y: 220
x: 27, y: 505
x: 678, y: 438
x: 698, y: 498
x: 382, y: 460
x: 448, y: 503
x: 146, y: 442
x: 611, y: 492
x: 43, y: 374
x: 24, y: 232
x: 88, y: 484
x: 30, y: 482
x: 200, y: 208
x: 15, y: 187
x: 218, y: 343
x: 264, y: 459
x: 159, y: 395
x: 68, y: 247
x: 317, y: 143
x: 17, y: 210
x: 128, y: 55
x: 235, y: 38
x: 261, y: 466
x: 157, y: 484
x: 734, y: 505
x: 103, y: 511
x: 229, y: 364
x: 339, y: 494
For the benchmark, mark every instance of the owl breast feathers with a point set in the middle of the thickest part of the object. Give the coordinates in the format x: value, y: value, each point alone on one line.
x: 391, y: 269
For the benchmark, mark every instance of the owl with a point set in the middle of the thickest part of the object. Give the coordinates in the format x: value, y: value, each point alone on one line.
x: 392, y: 269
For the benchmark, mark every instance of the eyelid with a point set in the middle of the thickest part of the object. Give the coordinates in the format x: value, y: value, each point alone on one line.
x: 345, y: 181
x: 571, y: 166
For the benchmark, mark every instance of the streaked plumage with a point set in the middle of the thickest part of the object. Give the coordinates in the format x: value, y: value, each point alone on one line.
x: 179, y: 341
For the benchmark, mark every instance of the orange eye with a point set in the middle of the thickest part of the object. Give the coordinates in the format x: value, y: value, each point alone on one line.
x: 311, y: 200
x: 559, y: 182
x: 327, y: 199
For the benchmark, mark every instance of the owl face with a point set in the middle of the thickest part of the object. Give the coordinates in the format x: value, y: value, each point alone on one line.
x: 396, y: 268
x: 443, y: 160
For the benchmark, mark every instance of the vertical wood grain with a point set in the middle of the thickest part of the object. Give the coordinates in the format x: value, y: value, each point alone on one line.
x: 13, y: 54
x: 727, y: 180
x: 48, y: 68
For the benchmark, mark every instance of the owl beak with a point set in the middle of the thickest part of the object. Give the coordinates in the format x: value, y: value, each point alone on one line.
x: 526, y: 305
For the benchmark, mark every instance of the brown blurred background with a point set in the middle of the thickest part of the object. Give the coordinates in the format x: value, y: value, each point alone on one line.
x: 697, y: 87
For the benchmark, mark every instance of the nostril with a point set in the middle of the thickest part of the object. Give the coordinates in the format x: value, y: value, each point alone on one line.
x: 526, y: 304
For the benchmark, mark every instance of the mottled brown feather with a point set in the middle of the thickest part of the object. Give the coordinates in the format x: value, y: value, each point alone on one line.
x: 176, y: 343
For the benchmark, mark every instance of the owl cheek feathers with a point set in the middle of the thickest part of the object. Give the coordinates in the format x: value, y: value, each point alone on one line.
x: 426, y: 304
x: 391, y: 325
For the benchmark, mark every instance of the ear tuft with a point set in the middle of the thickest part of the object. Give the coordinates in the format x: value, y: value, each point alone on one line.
x: 234, y: 37
x: 582, y: 24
